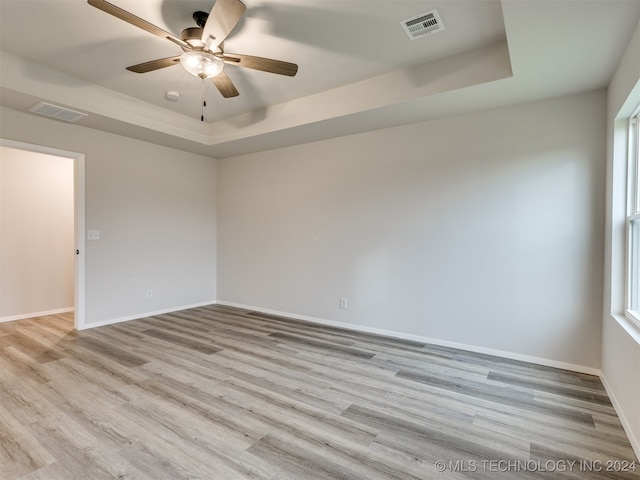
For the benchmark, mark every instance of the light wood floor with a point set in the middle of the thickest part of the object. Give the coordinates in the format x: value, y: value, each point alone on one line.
x: 221, y: 393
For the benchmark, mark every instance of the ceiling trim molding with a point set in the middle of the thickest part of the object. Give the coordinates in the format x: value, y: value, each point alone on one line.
x: 467, y: 69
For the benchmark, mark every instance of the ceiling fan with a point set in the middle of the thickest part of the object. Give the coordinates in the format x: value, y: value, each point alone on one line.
x: 203, y: 46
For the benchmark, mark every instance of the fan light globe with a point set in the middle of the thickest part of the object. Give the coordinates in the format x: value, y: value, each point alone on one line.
x: 201, y: 64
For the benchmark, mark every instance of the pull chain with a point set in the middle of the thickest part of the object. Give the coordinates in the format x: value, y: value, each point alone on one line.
x: 204, y: 102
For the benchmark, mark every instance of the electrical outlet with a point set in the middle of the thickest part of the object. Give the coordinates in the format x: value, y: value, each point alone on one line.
x: 344, y: 303
x: 149, y: 293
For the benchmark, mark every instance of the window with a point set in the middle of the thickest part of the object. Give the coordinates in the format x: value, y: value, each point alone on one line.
x: 633, y: 220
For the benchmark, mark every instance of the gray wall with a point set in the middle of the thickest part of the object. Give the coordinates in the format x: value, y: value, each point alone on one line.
x: 483, y: 229
x: 155, y: 208
x: 36, y: 234
x: 620, y: 338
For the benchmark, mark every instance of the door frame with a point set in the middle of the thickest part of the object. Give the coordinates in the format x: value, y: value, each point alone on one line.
x: 78, y: 214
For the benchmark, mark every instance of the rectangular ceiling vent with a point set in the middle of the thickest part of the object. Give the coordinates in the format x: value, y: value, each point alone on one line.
x: 54, y: 111
x: 423, y: 24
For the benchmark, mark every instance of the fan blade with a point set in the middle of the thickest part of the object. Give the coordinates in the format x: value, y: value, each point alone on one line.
x: 260, y: 63
x: 224, y: 84
x: 135, y: 21
x: 224, y: 15
x: 154, y: 65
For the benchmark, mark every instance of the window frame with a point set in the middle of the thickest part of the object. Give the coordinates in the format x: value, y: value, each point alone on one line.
x: 632, y: 217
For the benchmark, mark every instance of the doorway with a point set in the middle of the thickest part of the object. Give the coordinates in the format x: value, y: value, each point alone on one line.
x: 76, y: 183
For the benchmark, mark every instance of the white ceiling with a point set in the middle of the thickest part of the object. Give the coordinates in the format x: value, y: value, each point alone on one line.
x: 357, y: 68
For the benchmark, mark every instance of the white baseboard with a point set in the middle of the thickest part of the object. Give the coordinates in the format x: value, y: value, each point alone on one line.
x: 432, y: 341
x: 36, y: 314
x: 143, y: 315
x: 635, y: 442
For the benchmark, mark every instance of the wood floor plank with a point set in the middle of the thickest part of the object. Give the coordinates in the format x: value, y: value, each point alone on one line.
x: 20, y: 450
x: 99, y: 418
x: 302, y: 457
x: 25, y: 403
x: 583, y: 468
x: 111, y: 351
x: 574, y: 392
x: 32, y: 348
x: 22, y: 366
x: 116, y: 467
x: 218, y: 392
x: 569, y: 437
x: 501, y: 395
x: 181, y: 340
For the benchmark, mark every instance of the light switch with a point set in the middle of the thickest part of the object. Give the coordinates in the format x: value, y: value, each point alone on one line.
x: 93, y: 234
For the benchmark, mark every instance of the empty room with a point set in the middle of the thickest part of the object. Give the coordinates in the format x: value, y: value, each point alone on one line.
x: 285, y: 240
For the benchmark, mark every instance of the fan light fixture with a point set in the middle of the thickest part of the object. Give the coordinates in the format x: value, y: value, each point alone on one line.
x: 201, y: 64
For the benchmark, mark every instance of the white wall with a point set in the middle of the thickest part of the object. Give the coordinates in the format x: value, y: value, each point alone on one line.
x: 155, y: 208
x: 37, y: 234
x: 621, y: 339
x: 484, y: 229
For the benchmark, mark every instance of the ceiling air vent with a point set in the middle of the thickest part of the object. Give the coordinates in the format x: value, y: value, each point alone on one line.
x: 54, y: 111
x: 423, y: 24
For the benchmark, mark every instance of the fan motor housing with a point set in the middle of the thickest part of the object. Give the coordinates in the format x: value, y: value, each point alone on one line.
x: 193, y: 36
x: 200, y: 18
